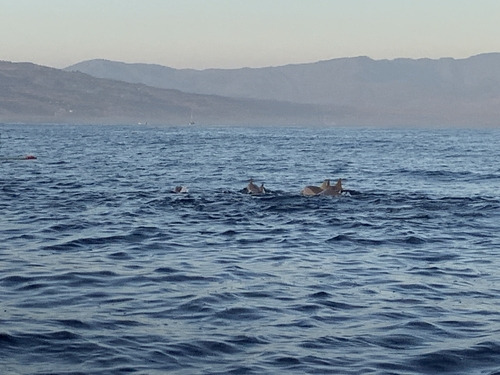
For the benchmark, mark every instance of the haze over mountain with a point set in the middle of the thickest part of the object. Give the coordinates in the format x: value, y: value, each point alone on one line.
x: 402, y: 91
x: 348, y: 91
x: 31, y: 93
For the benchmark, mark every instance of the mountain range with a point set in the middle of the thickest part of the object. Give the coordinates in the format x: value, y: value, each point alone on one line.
x: 31, y: 93
x: 345, y: 91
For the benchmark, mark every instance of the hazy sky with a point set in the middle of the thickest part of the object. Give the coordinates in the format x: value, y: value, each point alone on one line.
x: 236, y: 33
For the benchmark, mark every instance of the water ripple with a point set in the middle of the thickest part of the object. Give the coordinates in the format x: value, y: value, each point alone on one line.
x: 105, y: 270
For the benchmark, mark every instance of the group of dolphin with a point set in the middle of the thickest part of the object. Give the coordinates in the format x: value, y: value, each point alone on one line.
x: 324, y: 189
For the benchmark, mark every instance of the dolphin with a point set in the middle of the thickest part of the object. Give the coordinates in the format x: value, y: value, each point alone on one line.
x: 180, y: 189
x: 333, y: 190
x: 315, y: 190
x: 254, y: 189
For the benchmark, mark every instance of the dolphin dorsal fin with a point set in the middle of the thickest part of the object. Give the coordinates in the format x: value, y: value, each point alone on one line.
x: 325, y: 184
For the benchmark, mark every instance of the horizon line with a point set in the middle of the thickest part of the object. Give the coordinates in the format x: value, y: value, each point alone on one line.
x: 257, y: 67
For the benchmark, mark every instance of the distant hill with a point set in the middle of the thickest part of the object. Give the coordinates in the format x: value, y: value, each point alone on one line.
x: 402, y: 91
x: 350, y: 91
x: 35, y: 94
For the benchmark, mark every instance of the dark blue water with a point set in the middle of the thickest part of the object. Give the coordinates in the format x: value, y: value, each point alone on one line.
x: 104, y: 270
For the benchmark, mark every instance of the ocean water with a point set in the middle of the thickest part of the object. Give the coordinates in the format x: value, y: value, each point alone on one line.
x: 104, y: 270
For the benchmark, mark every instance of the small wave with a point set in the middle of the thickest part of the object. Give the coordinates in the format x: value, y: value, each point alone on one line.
x: 184, y: 278
x: 7, y: 340
x: 166, y: 270
x: 239, y: 313
x: 320, y: 295
x: 340, y: 305
x: 16, y: 280
x: 398, y: 341
x: 459, y: 360
x: 73, y: 323
x: 287, y: 362
x: 359, y: 241
x: 247, y: 341
x: 216, y: 347
x: 201, y: 349
x: 413, y: 240
x: 120, y: 255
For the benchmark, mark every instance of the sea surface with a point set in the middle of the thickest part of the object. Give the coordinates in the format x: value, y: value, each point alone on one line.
x: 103, y: 270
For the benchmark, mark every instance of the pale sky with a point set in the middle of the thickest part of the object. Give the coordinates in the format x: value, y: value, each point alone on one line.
x: 204, y: 34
